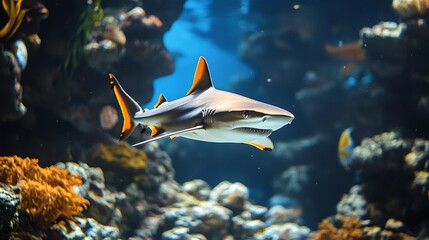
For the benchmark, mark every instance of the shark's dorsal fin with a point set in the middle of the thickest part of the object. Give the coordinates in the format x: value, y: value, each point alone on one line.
x: 264, y: 144
x: 161, y: 100
x: 202, y: 79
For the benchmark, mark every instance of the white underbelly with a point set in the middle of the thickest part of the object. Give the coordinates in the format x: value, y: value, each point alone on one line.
x: 225, y: 136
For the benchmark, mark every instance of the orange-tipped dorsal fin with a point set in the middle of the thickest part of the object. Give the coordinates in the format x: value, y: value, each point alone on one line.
x: 161, y: 100
x: 202, y: 79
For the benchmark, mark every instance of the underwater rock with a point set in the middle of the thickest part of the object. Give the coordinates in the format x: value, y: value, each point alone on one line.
x: 104, y: 204
x: 11, y: 104
x: 206, y: 217
x: 159, y: 165
x: 149, y: 167
x: 379, y: 41
x: 230, y: 195
x: 245, y: 228
x: 197, y: 188
x: 397, y: 57
x: 10, y: 199
x: 404, y: 197
x: 380, y: 152
x: 353, y: 204
x: 82, y: 228
x: 279, y: 215
x: 287, y: 231
x: 181, y: 233
x: 102, y: 55
x: 418, y: 158
x: 411, y: 8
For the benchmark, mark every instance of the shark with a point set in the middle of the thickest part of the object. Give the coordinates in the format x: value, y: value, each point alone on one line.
x: 204, y: 113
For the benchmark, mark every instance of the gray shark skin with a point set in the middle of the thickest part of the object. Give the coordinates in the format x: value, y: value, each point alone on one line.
x: 204, y: 114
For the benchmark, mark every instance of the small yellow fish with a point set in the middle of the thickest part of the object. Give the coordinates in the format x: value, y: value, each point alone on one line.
x: 345, y: 147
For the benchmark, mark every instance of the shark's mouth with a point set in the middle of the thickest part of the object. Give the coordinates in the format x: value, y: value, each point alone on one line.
x: 255, y: 130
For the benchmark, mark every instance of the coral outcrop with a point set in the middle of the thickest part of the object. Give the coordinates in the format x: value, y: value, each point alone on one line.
x: 393, y: 188
x: 338, y: 228
x: 411, y: 8
x: 10, y: 199
x: 47, y: 193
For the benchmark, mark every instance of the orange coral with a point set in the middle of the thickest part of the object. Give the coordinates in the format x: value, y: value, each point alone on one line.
x: 47, y: 193
x: 346, y: 228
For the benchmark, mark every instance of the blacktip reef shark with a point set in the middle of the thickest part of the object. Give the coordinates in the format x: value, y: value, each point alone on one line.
x: 205, y: 114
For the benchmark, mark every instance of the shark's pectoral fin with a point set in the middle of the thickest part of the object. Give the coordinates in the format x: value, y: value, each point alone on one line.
x: 264, y: 144
x: 171, y: 134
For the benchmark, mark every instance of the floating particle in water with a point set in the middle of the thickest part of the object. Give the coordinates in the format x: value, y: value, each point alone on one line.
x: 269, y: 80
x: 108, y: 117
x: 296, y: 6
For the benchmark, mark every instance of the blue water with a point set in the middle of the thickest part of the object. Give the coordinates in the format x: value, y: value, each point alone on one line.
x: 186, y: 41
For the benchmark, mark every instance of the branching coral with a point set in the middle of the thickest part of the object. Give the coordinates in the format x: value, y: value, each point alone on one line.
x: 338, y: 228
x: 16, y: 14
x: 47, y: 193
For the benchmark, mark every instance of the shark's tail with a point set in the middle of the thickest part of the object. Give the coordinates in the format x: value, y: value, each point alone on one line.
x: 128, y: 106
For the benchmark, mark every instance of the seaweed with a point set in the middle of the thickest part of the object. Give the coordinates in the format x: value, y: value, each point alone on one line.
x: 90, y: 16
x: 47, y: 193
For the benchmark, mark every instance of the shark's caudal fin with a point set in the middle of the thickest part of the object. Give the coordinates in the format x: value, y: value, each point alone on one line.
x: 128, y: 106
x: 202, y: 79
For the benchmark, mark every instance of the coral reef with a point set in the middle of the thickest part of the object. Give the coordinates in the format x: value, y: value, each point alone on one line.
x: 217, y: 218
x: 123, y: 155
x: 149, y: 167
x: 353, y: 204
x: 339, y: 227
x: 83, y: 228
x: 11, y: 104
x: 379, y: 153
x: 411, y: 8
x: 399, y: 167
x: 77, y: 103
x: 104, y: 204
x: 10, y: 199
x: 47, y: 193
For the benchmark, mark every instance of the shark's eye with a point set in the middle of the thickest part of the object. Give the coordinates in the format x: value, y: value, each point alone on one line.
x: 245, y: 114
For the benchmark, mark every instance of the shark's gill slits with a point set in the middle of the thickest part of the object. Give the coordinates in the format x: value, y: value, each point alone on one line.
x: 208, y: 116
x: 255, y: 130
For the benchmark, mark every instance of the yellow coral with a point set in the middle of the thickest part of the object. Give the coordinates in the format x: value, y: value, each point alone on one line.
x: 125, y: 156
x: 411, y: 8
x: 16, y: 14
x: 47, y: 193
x: 350, y: 229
